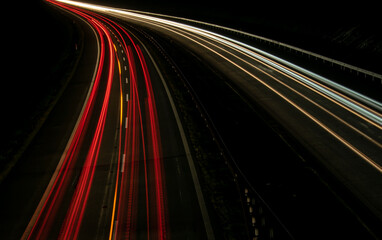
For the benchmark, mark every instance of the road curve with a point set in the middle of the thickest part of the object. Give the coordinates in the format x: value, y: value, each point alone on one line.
x: 127, y: 172
x: 119, y: 140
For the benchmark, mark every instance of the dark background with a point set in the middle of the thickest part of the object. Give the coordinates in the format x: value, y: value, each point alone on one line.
x: 36, y: 43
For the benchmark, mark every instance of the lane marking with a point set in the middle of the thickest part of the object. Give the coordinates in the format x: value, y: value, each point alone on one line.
x: 121, y: 109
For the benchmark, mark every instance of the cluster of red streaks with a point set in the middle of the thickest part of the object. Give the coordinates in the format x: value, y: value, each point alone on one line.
x: 125, y: 215
x: 154, y: 151
x: 76, y: 210
x: 45, y: 218
x: 156, y: 147
x: 134, y: 93
x: 129, y: 180
x: 46, y: 215
x: 134, y: 142
x: 131, y: 151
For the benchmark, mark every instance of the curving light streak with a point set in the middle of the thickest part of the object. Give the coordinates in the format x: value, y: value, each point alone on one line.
x: 184, y: 34
x: 155, y: 205
x: 306, y: 113
x: 265, y: 57
x: 46, y: 214
x: 76, y: 210
x: 357, y: 104
x: 314, y: 119
x: 155, y: 153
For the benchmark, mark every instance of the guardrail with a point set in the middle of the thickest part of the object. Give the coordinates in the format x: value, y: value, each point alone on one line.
x: 342, y: 65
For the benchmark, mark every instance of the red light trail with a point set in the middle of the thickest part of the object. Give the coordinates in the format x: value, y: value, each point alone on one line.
x: 139, y: 146
x: 77, y: 207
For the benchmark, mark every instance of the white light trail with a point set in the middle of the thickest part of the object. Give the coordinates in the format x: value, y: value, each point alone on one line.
x: 265, y: 57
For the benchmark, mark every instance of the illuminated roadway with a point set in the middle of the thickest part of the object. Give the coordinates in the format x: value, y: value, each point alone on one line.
x: 124, y: 126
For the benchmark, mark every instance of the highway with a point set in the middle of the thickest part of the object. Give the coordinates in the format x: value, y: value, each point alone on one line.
x: 111, y: 181
x: 126, y: 169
